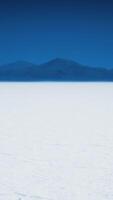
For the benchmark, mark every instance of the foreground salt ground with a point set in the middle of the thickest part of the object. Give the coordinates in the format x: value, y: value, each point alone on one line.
x: 56, y: 141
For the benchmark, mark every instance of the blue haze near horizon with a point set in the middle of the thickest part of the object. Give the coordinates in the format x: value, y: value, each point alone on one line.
x: 38, y: 31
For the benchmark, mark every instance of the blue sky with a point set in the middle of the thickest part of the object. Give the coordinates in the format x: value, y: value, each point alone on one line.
x: 38, y: 31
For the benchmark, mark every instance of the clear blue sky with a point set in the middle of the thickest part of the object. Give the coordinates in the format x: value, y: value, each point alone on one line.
x: 41, y: 30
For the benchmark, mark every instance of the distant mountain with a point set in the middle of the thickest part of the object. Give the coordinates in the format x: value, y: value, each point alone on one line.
x: 54, y: 70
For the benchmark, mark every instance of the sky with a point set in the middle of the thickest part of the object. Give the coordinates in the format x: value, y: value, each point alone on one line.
x: 38, y: 31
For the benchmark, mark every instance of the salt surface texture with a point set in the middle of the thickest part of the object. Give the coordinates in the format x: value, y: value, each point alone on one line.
x: 56, y: 141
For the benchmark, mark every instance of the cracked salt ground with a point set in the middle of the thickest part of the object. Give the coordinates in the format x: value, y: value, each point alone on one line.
x: 56, y: 141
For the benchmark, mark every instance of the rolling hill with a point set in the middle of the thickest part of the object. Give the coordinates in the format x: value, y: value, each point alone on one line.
x: 55, y: 70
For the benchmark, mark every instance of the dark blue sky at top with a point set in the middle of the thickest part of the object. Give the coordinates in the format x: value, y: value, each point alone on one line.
x: 42, y: 30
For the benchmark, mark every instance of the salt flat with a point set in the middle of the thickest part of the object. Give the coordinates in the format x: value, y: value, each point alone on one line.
x: 56, y: 141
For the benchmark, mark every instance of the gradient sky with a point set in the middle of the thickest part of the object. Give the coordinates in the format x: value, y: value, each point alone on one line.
x: 41, y: 30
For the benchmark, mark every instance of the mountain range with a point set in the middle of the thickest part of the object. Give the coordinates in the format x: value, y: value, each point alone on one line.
x: 55, y: 70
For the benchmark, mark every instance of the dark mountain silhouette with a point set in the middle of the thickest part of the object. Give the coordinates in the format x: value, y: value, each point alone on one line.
x: 54, y: 70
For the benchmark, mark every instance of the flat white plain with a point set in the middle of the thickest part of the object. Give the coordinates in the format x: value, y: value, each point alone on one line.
x: 56, y: 141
